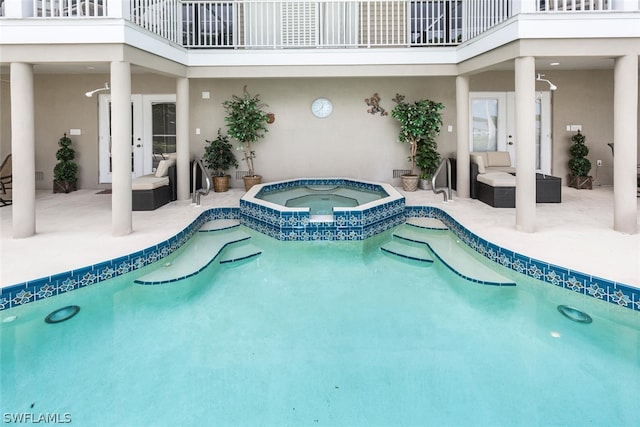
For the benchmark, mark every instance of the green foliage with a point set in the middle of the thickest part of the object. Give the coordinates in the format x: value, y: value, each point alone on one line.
x: 218, y: 154
x: 579, y: 165
x: 66, y: 169
x: 427, y: 158
x: 247, y: 123
x: 420, y: 124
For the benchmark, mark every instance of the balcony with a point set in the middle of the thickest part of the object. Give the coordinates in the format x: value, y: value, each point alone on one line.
x: 305, y: 24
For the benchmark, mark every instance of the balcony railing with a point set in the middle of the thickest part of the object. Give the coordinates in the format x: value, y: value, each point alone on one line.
x: 574, y: 5
x: 280, y: 24
x: 256, y: 24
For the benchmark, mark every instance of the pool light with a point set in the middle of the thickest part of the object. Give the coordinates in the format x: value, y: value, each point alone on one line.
x: 62, y: 314
x: 574, y: 314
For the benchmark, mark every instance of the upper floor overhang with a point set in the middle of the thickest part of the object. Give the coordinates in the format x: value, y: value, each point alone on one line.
x: 391, y: 50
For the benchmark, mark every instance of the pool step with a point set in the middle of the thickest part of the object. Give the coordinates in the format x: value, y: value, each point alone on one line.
x: 196, y: 255
x: 450, y: 251
x: 428, y: 223
x: 404, y: 250
x: 239, y: 253
x: 219, y: 225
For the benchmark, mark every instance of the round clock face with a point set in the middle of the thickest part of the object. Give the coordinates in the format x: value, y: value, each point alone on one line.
x: 321, y: 107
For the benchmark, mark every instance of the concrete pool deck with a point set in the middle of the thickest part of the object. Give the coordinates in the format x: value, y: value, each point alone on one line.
x: 74, y: 230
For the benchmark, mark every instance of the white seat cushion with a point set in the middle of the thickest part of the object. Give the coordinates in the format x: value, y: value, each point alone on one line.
x: 149, y: 182
x: 163, y: 167
x: 498, y: 158
x: 478, y: 160
x: 497, y: 179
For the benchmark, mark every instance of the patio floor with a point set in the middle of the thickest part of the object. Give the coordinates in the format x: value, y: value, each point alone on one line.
x: 74, y: 230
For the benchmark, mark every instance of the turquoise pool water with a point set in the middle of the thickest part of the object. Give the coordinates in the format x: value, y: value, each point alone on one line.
x: 322, y: 333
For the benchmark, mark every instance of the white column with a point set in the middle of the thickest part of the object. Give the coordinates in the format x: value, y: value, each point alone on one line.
x: 525, y: 144
x: 182, y: 138
x: 462, y: 129
x: 23, y: 150
x: 625, y: 138
x: 524, y: 6
x: 121, y: 218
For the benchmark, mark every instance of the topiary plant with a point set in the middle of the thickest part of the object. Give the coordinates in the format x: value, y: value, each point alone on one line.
x: 65, y: 172
x: 579, y: 165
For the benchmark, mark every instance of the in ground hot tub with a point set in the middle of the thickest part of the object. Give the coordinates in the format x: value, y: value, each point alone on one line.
x: 322, y: 209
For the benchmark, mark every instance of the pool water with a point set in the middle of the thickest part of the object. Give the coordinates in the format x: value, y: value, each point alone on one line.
x: 323, y: 333
x: 321, y: 199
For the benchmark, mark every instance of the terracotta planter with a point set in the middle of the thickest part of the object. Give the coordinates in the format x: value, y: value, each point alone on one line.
x: 250, y: 181
x: 581, y: 182
x: 221, y: 183
x: 410, y: 182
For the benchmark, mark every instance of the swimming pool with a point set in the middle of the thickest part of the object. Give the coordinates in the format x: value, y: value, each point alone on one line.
x: 322, y: 334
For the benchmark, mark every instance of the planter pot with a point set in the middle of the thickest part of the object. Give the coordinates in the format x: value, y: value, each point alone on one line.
x: 581, y: 182
x: 64, y: 186
x: 410, y: 182
x: 424, y: 184
x: 250, y: 181
x: 221, y: 183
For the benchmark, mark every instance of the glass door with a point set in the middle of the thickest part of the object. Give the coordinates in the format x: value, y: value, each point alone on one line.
x: 492, y: 127
x: 153, y: 133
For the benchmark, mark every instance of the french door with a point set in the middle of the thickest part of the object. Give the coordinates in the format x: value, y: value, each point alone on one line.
x: 492, y: 125
x: 153, y: 133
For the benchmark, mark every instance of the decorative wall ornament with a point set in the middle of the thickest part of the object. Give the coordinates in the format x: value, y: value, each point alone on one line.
x: 374, y: 103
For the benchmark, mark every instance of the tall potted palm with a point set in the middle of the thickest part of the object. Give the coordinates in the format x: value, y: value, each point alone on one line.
x: 247, y: 123
x: 219, y: 157
x: 420, y: 124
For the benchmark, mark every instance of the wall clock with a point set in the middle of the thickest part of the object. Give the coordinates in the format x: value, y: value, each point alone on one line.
x: 321, y: 107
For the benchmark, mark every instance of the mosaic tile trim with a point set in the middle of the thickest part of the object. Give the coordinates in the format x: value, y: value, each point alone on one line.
x: 320, y: 182
x: 592, y: 286
x: 46, y: 287
x: 347, y: 224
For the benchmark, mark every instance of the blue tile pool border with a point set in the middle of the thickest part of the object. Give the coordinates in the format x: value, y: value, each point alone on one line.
x: 590, y: 286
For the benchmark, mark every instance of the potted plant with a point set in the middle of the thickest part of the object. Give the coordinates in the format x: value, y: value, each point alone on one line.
x: 579, y: 165
x: 427, y: 159
x: 247, y: 123
x: 65, y: 173
x: 420, y: 123
x: 219, y: 157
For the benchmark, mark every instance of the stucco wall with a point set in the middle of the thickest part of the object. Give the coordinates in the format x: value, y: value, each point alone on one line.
x: 349, y: 143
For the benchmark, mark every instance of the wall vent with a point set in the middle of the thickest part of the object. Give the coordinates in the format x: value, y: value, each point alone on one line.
x: 241, y: 174
x: 397, y: 173
x: 39, y: 176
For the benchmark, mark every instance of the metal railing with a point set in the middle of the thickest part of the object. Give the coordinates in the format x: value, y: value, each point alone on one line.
x: 279, y: 24
x: 446, y: 192
x: 574, y: 5
x: 197, y: 192
x: 69, y: 8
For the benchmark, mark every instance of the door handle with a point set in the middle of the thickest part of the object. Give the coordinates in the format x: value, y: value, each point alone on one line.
x: 138, y: 145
